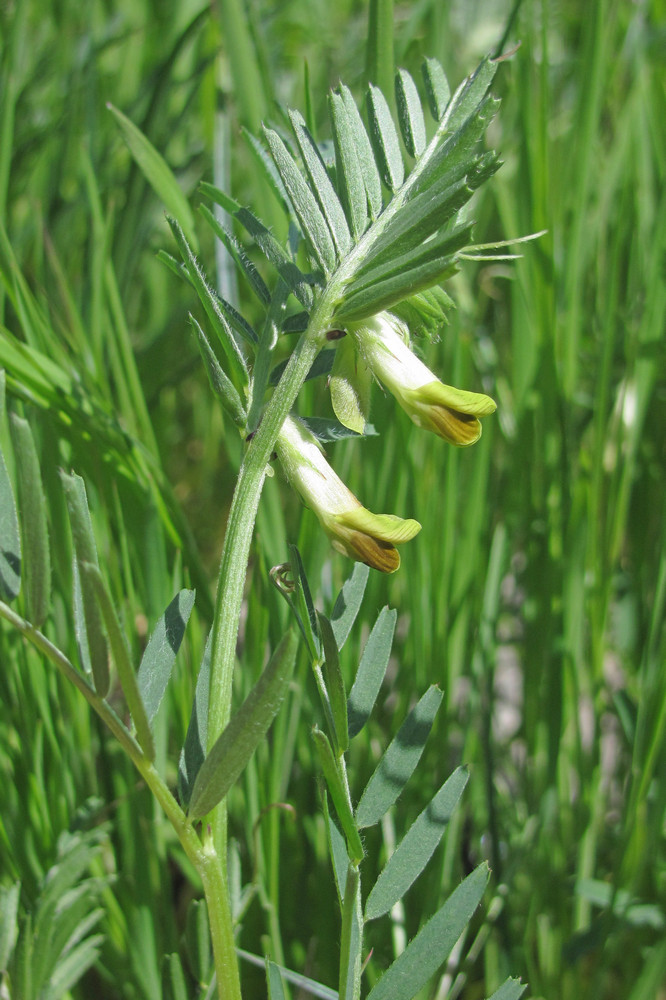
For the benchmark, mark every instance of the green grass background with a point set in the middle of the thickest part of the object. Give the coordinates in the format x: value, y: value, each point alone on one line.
x: 534, y: 594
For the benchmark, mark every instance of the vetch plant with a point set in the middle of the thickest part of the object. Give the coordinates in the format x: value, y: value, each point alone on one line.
x: 369, y: 245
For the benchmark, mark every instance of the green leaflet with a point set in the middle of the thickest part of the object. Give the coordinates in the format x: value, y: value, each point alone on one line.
x: 220, y: 383
x: 320, y: 183
x: 85, y: 551
x: 10, y: 542
x: 121, y: 658
x: 397, y: 765
x: 348, y: 165
x: 410, y: 113
x: 337, y: 849
x: 371, y: 179
x: 233, y: 247
x: 432, y: 945
x: 348, y: 603
x: 234, y: 747
x: 371, y: 671
x: 384, y: 139
x: 307, y: 211
x: 387, y: 293
x: 335, y: 686
x: 512, y: 989
x: 338, y: 795
x: 160, y: 653
x: 416, y: 848
x: 437, y: 88
x: 274, y: 981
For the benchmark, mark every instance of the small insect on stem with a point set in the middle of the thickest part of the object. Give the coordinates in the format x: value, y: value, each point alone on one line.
x: 336, y: 334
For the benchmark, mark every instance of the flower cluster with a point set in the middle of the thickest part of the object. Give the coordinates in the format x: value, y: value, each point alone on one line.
x: 377, y: 347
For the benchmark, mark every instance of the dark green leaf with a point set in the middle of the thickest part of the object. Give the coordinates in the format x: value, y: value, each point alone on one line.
x: 256, y: 282
x: 9, y: 901
x: 307, y: 211
x: 10, y: 542
x: 326, y: 431
x: 385, y: 294
x: 321, y: 185
x: 417, y: 847
x: 512, y: 989
x: 348, y: 167
x: 121, y: 657
x: 335, y: 686
x: 338, y: 794
x: 221, y: 385
x: 351, y: 939
x: 234, y: 747
x: 274, y: 981
x: 410, y: 113
x: 432, y: 945
x: 348, y: 603
x: 371, y: 671
x: 173, y: 978
x: 197, y: 940
x: 337, y: 849
x: 384, y: 139
x: 371, y: 179
x: 469, y: 95
x: 321, y: 365
x: 32, y: 504
x: 211, y: 303
x: 157, y: 173
x: 397, y: 765
x: 437, y: 88
x: 304, y: 605
x: 85, y: 551
x: 194, y: 749
x: 160, y: 653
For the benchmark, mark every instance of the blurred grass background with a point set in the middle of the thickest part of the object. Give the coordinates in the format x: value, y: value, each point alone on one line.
x: 535, y: 592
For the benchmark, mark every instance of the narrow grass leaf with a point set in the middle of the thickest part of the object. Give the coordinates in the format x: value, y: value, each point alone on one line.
x: 121, y: 658
x: 304, y: 605
x: 416, y: 848
x: 338, y: 794
x: 320, y: 183
x: 371, y: 671
x: 351, y: 938
x: 234, y: 248
x: 211, y: 304
x: 348, y: 167
x: 310, y: 987
x: 366, y: 157
x: 35, y: 536
x: 384, y: 138
x: 512, y: 989
x: 397, y: 765
x: 437, y: 87
x: 274, y: 981
x: 432, y: 945
x: 337, y: 849
x: 220, y: 383
x: 193, y: 753
x: 157, y: 172
x: 410, y: 113
x: 335, y: 685
x: 160, y: 653
x: 234, y: 747
x: 348, y: 603
x: 311, y: 220
x: 173, y: 978
x: 10, y: 542
x: 9, y: 901
x: 85, y: 551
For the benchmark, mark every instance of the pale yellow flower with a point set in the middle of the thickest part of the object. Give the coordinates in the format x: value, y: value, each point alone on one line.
x: 353, y: 530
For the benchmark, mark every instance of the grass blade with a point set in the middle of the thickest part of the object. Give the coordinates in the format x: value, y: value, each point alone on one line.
x: 158, y: 174
x: 398, y: 763
x: 512, y: 989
